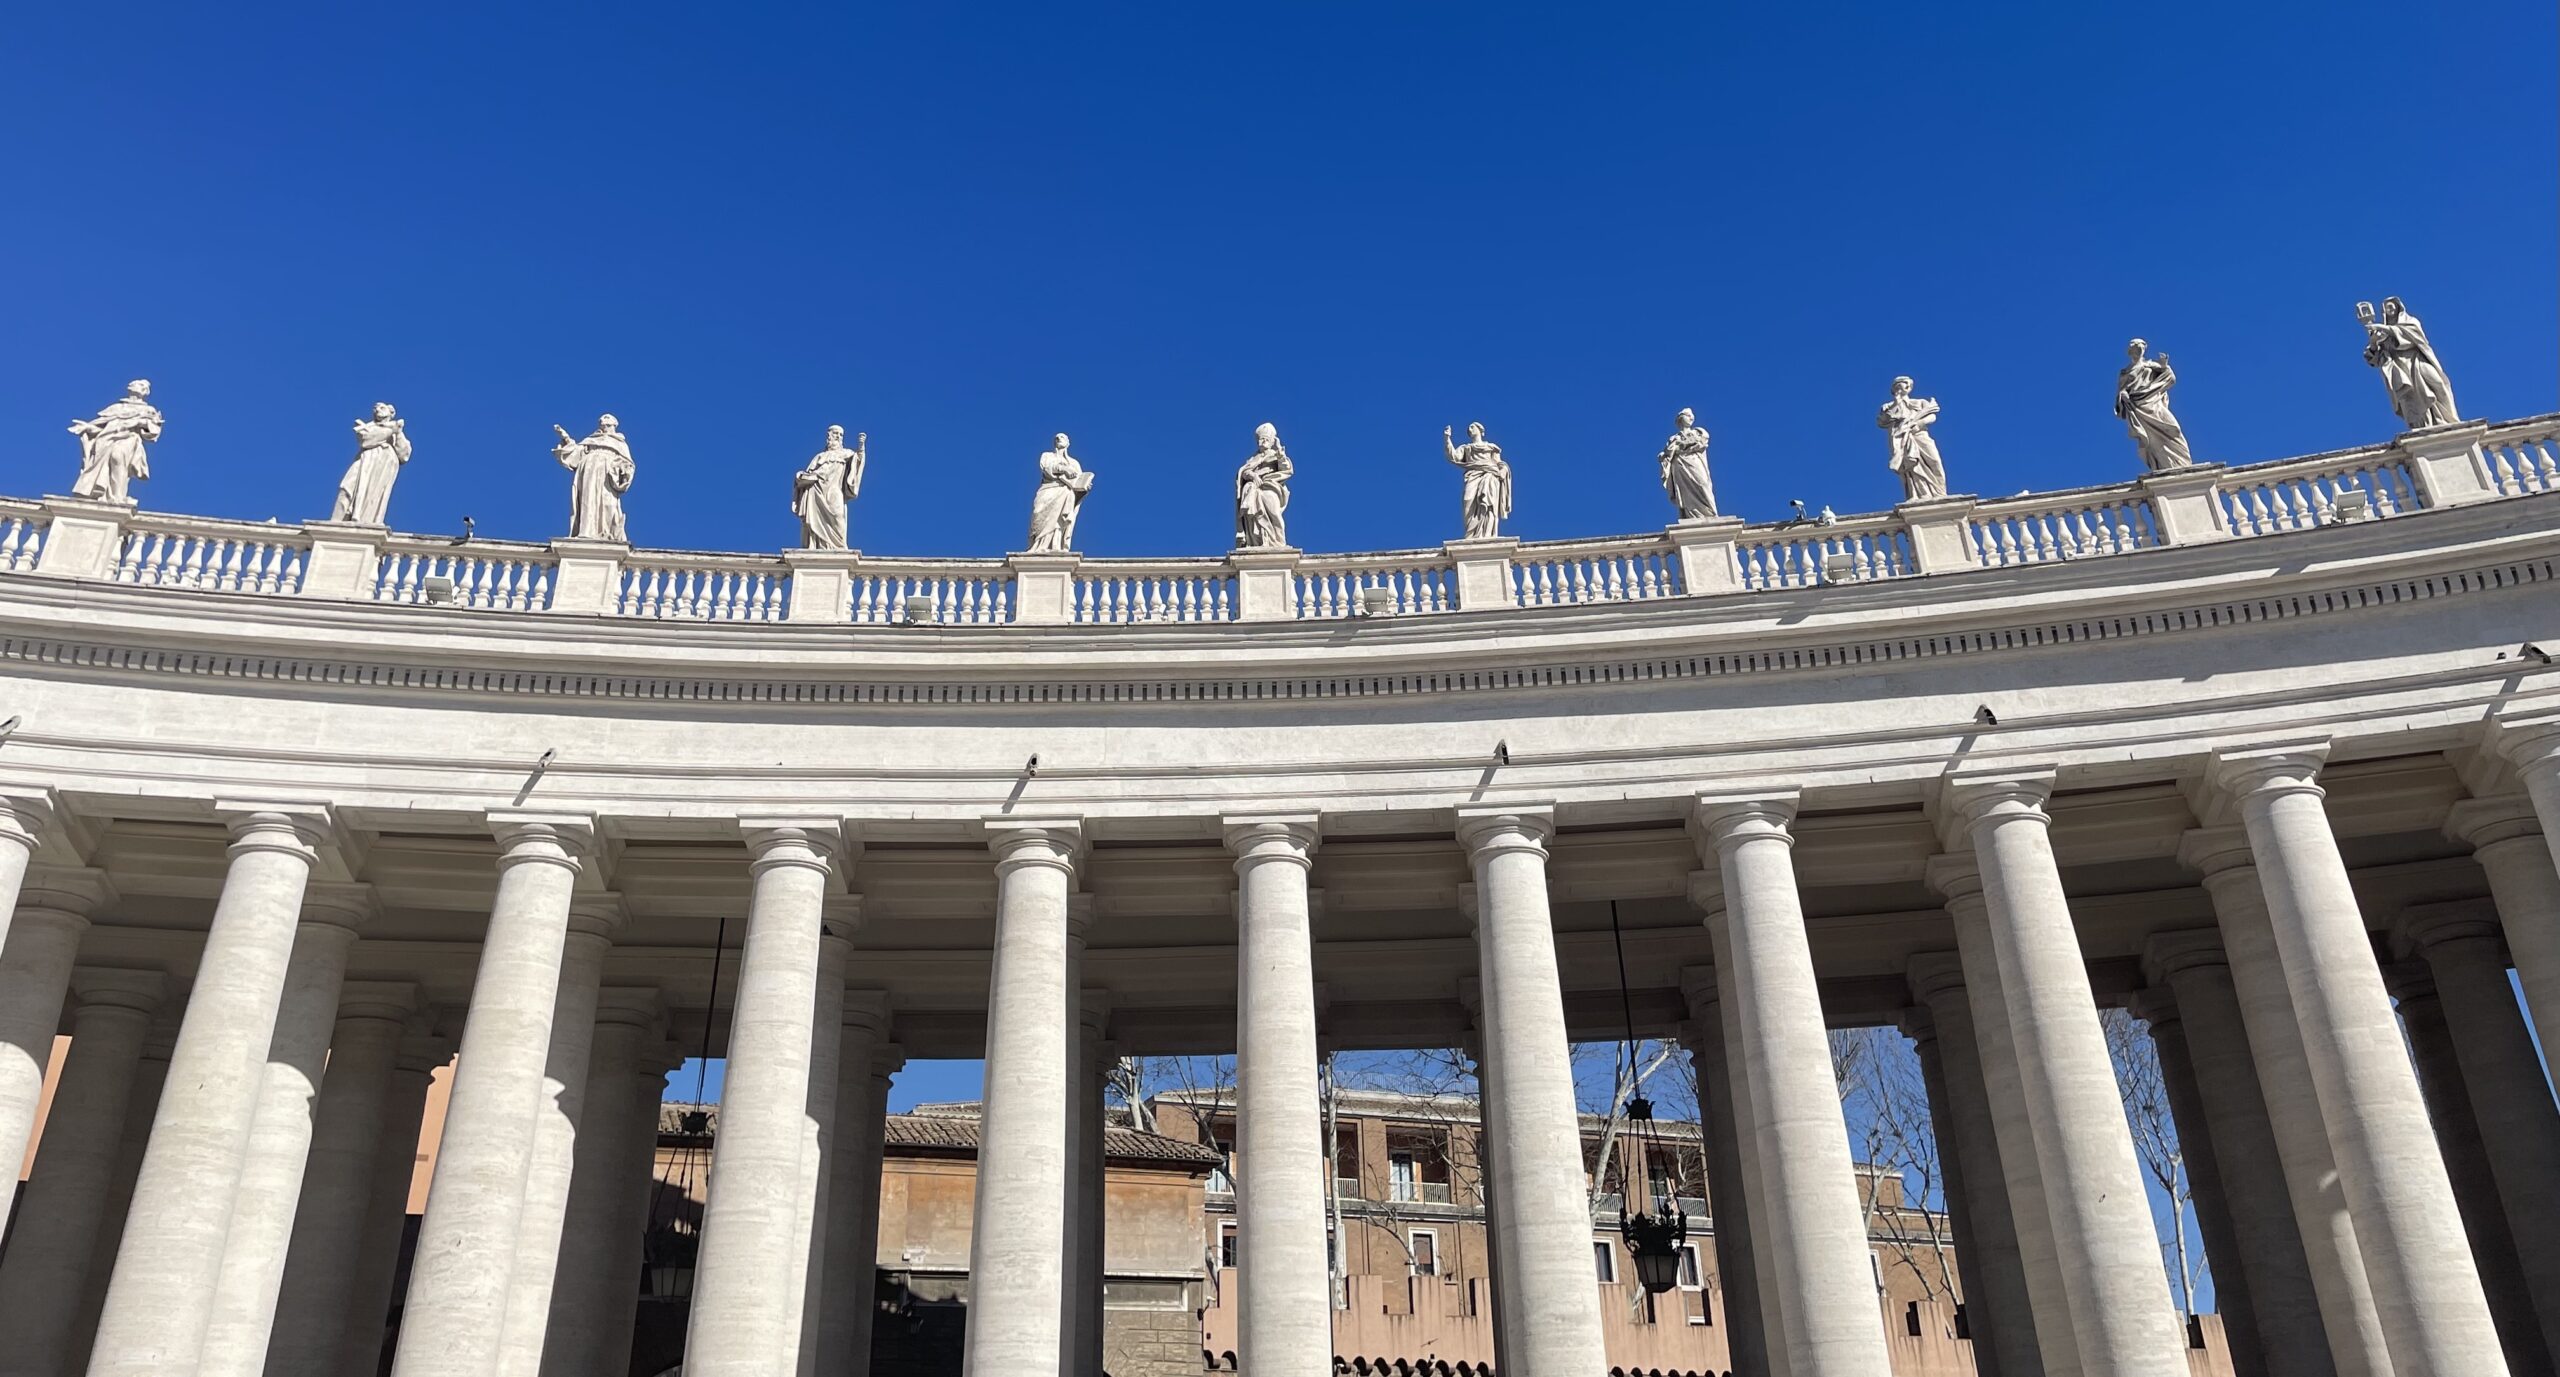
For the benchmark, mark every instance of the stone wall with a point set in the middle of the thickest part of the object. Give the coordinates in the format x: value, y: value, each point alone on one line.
x: 1151, y: 1343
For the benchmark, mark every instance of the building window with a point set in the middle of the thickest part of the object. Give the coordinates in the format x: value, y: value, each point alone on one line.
x: 1424, y: 1244
x: 1692, y: 1276
x: 1403, y: 1183
x: 1605, y: 1255
x: 1226, y: 1245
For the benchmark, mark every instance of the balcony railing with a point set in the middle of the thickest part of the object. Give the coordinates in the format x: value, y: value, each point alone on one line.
x: 2422, y: 470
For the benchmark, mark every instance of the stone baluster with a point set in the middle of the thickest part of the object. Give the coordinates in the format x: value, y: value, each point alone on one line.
x: 1283, y: 1278
x: 54, y: 905
x: 1997, y: 1302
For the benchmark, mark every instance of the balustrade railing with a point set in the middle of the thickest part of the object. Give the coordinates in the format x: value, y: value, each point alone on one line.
x: 482, y: 575
x: 702, y: 588
x: 2043, y: 527
x: 964, y: 592
x: 1323, y: 587
x: 2299, y: 494
x: 1851, y: 549
x: 22, y: 532
x: 1121, y: 592
x: 2522, y: 458
x: 218, y: 556
x: 1571, y: 573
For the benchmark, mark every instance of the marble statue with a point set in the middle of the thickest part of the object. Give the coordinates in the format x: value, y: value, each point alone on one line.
x: 382, y: 446
x: 601, y: 472
x: 111, y: 445
x: 2397, y: 344
x: 1684, y: 469
x: 1906, y: 421
x: 1488, y: 492
x: 1262, y: 493
x: 2142, y: 403
x: 1063, y: 485
x: 824, y: 488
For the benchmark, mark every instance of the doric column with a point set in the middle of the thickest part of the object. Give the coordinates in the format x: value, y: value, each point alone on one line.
x: 2425, y: 1288
x: 2329, y: 1247
x: 1488, y: 1077
x: 2532, y: 742
x: 1922, y: 1028
x: 35, y: 971
x: 2494, y: 1247
x: 263, y: 1209
x: 592, y: 1240
x: 323, y: 1257
x: 1085, y: 1258
x: 2510, y: 1099
x: 818, y: 1142
x: 1016, y: 1293
x: 161, y: 1294
x: 2248, y: 1164
x: 57, y: 1233
x: 1283, y: 1280
x: 1728, y: 1201
x: 1998, y: 1310
x: 2106, y: 1252
x: 864, y: 1066
x: 25, y: 811
x: 1553, y: 1307
x: 1706, y: 892
x: 1814, y: 1225
x: 744, y: 1275
x: 386, y: 1207
x: 2200, y: 1155
x: 2506, y: 838
x: 464, y: 1268
x: 150, y: 1075
x: 638, y: 1154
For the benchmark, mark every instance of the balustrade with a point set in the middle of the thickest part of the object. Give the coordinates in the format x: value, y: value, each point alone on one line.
x: 2044, y: 527
x: 1120, y: 593
x: 1415, y: 581
x: 1572, y: 573
x: 489, y: 576
x: 2298, y: 494
x: 1854, y: 549
x: 22, y: 532
x: 964, y: 592
x: 711, y: 588
x: 226, y: 557
x: 2522, y: 458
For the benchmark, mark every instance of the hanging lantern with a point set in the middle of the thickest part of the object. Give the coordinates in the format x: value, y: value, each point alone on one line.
x: 1652, y: 1234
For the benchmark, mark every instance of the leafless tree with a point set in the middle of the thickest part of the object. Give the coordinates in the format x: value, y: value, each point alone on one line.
x: 2155, y: 1141
x: 1885, y: 1100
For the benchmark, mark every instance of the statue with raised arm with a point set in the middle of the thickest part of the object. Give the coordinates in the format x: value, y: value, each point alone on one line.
x: 2397, y: 344
x: 1684, y: 469
x: 382, y: 446
x: 1487, y: 497
x: 822, y: 492
x: 1906, y: 420
x: 2142, y: 403
x: 1262, y: 493
x: 112, y: 457
x: 1054, y: 508
x: 600, y: 473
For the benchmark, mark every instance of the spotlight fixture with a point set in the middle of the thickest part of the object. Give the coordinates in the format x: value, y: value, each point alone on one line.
x: 1032, y: 766
x: 436, y: 588
x: 2353, y: 504
x: 1377, y: 602
x: 1502, y: 752
x: 466, y: 530
x: 1840, y: 566
x: 1984, y: 717
x: 2528, y: 649
x: 543, y: 761
x: 9, y: 728
x: 919, y: 609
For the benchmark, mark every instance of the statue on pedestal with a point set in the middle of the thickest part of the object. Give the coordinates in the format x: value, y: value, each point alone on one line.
x: 112, y: 457
x: 1906, y: 420
x: 601, y: 472
x: 824, y: 489
x: 2397, y: 344
x: 1262, y: 493
x: 382, y: 446
x: 1054, y: 508
x: 2142, y: 403
x: 1684, y: 469
x: 1487, y: 497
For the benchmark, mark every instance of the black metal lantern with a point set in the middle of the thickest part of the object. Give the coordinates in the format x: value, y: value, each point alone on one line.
x: 1653, y: 1234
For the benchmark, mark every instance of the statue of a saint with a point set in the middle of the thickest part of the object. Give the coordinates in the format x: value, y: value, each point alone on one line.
x: 825, y: 487
x: 1487, y: 498
x: 2142, y: 403
x: 111, y: 453
x: 382, y: 446
x: 1906, y: 421
x: 2397, y: 344
x: 1063, y: 485
x: 1684, y: 469
x: 600, y: 473
x: 1262, y: 493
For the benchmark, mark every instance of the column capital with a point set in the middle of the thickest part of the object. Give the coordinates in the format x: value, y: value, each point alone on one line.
x: 351, y: 907
x: 887, y: 1060
x: 1954, y: 876
x: 1919, y: 1024
x: 1289, y: 837
x: 2412, y: 984
x: 1706, y: 891
x: 2425, y: 929
x: 26, y: 812
x: 840, y: 917
x: 1055, y: 842
x: 2270, y: 770
x: 597, y: 915
x: 2216, y: 851
x: 1093, y: 1012
x: 1996, y: 793
x: 75, y: 891
x: 810, y: 843
x: 2484, y: 822
x: 1699, y: 990
x: 1494, y: 828
x: 1934, y: 976
x: 867, y: 1009
x: 2529, y: 736
x: 423, y: 1053
x: 1726, y: 817
x: 294, y: 829
x: 113, y: 988
x: 2168, y: 954
x: 2156, y: 1005
x: 382, y: 1001
x: 567, y: 840
x: 631, y: 1006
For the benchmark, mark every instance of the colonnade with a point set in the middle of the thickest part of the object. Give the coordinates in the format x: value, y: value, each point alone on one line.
x: 2366, y: 1215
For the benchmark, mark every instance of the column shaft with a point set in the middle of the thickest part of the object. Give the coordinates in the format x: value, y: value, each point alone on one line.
x: 558, y: 1124
x: 2506, y: 838
x: 1728, y: 1204
x: 2201, y: 1155
x: 323, y: 1257
x: 819, y: 1147
x: 639, y: 1187
x: 592, y: 1242
x: 1998, y: 1308
x: 386, y: 1208
x: 1771, y: 1315
x: 25, y: 811
x: 1085, y: 1259
x: 1283, y: 1280
x: 35, y: 972
x: 853, y: 1226
x: 150, y: 1076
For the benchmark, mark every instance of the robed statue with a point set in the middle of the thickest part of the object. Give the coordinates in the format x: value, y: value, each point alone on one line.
x: 1905, y: 421
x: 1487, y: 496
x: 2397, y: 344
x: 112, y: 457
x: 1262, y: 493
x: 822, y: 492
x: 1063, y: 485
x: 1684, y: 469
x: 600, y: 472
x: 2142, y: 403
x: 382, y: 446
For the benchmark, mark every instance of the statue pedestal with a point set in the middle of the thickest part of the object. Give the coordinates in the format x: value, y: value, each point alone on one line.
x: 83, y: 537
x: 821, y: 585
x: 1044, y: 586
x: 346, y: 560
x: 2444, y: 461
x: 1264, y: 583
x: 1704, y: 545
x: 2183, y: 504
x: 589, y: 576
x: 1484, y: 571
x: 1938, y: 541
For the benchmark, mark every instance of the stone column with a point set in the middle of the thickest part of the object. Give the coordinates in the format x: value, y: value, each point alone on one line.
x: 864, y: 1067
x: 25, y: 811
x: 160, y: 1296
x: 150, y: 1075
x: 592, y: 1242
x: 638, y: 1154
x: 1283, y: 1281
x: 263, y: 1208
x: 464, y: 1267
x: 1728, y: 1202
x: 386, y: 1207
x: 1087, y: 1261
x: 2319, y: 1201
x: 2425, y: 1286
x: 1999, y: 1312
x: 324, y: 1255
x: 1706, y: 892
x: 1498, y: 1239
x: 2248, y: 1175
x: 2475, y: 1186
x: 1922, y: 1028
x: 2233, y: 1298
x: 2506, y: 838
x: 35, y: 972
x: 1814, y: 1225
x: 1554, y: 1305
x: 57, y: 1233
x: 2510, y: 1098
x: 744, y: 1275
x: 2107, y: 1253
x: 819, y: 1145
